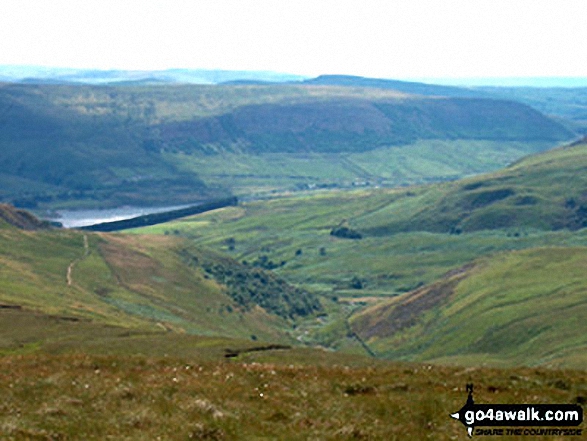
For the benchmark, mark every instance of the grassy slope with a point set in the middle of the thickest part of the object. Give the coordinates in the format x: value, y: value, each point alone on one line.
x: 144, y: 283
x: 544, y: 191
x: 506, y: 309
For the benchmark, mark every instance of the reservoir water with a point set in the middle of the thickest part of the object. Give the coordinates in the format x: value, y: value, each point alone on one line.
x: 83, y: 218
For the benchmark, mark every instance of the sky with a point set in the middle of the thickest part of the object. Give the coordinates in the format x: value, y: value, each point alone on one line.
x: 400, y: 39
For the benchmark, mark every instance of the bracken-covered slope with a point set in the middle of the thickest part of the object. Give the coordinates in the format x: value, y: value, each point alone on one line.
x: 19, y: 218
x: 524, y: 307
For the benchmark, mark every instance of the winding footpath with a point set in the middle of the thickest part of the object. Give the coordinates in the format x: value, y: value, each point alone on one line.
x: 79, y: 259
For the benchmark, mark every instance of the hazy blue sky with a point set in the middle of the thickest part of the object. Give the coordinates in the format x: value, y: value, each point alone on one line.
x: 390, y: 39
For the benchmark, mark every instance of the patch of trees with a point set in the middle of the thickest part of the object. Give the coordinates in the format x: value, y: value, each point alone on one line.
x: 345, y: 232
x: 254, y: 286
x: 357, y: 283
x: 264, y: 262
x: 578, y: 213
x: 230, y: 243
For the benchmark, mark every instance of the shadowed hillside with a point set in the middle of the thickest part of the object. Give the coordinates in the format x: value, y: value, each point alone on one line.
x: 359, y: 125
x: 112, y: 146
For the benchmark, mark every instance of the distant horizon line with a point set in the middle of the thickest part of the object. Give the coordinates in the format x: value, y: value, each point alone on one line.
x: 568, y: 81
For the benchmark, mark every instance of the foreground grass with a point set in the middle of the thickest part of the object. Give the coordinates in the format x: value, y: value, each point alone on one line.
x: 268, y: 396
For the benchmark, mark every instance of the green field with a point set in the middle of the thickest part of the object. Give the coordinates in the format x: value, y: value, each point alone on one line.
x: 422, y: 162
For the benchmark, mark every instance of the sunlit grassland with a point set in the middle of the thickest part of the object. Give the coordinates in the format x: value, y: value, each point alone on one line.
x: 421, y: 162
x: 388, y: 264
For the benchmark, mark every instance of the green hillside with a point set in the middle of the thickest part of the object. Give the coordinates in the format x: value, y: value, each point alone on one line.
x: 410, y: 236
x: 395, y: 252
x: 501, y: 310
x: 355, y: 125
x: 158, y: 145
x: 146, y: 284
x: 543, y: 192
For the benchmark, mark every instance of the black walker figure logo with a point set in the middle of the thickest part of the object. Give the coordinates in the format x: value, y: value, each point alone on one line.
x: 519, y: 415
x: 460, y: 415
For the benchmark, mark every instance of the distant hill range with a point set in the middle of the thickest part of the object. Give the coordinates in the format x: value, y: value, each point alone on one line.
x: 105, y: 145
x: 411, y: 87
x: 559, y: 97
x: 564, y: 97
x: 54, y: 75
